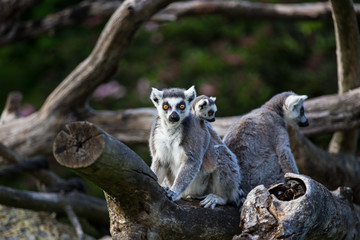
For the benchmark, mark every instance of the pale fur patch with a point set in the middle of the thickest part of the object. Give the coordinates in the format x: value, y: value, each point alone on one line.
x: 292, y: 106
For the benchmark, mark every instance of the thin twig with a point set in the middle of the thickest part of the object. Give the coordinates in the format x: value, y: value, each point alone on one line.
x: 74, y: 221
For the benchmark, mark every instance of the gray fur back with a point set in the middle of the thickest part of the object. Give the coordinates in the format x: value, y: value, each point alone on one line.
x: 253, y: 139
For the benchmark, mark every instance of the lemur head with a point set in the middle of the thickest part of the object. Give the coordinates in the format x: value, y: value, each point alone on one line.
x: 294, y: 110
x: 205, y: 108
x: 173, y: 104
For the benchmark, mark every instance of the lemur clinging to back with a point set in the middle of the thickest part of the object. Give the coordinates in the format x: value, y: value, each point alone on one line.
x: 204, y: 108
x: 182, y: 157
x: 260, y: 140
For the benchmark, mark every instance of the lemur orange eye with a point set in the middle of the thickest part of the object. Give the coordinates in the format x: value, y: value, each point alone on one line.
x: 166, y: 107
x: 182, y: 106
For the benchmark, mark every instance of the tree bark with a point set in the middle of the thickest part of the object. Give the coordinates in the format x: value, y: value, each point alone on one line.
x: 330, y: 169
x: 302, y: 209
x: 348, y: 65
x: 138, y: 206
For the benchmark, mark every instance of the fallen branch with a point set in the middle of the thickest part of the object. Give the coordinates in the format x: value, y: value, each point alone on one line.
x: 138, y: 206
x: 309, y: 211
x: 91, y: 208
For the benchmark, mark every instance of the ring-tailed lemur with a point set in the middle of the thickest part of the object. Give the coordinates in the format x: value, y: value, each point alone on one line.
x: 182, y: 157
x: 260, y: 140
x: 229, y: 174
x: 204, y: 108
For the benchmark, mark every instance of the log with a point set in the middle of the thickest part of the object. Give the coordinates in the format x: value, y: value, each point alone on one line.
x: 138, y: 206
x: 332, y: 170
x: 85, y: 206
x: 301, y: 209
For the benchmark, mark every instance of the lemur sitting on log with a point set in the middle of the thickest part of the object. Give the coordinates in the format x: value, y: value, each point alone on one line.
x: 183, y: 155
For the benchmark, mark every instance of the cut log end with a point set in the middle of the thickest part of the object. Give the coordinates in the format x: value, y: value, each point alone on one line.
x: 79, y: 145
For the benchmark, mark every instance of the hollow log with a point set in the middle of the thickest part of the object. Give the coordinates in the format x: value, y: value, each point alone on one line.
x: 301, y: 209
x: 332, y: 170
x: 138, y: 206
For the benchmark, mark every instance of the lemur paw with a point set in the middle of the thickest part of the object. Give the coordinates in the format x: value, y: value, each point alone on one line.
x: 172, y: 195
x: 212, y: 200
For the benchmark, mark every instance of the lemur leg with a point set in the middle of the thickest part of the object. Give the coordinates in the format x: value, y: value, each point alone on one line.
x: 212, y: 200
x: 159, y: 170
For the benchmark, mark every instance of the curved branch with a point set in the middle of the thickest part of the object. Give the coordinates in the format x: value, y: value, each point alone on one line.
x: 103, y: 60
x: 248, y: 10
x: 91, y: 208
x: 138, y: 206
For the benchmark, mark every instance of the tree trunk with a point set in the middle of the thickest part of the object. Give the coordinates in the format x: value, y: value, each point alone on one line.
x: 348, y: 53
x: 138, y: 206
x: 302, y: 209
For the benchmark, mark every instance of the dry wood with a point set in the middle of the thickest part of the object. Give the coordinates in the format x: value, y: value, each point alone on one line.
x: 348, y: 66
x: 66, y: 103
x: 332, y: 170
x: 12, y: 108
x: 138, y: 206
x: 303, y: 209
x: 91, y: 208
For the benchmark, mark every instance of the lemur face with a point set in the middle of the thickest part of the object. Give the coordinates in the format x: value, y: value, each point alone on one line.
x: 206, y: 109
x: 294, y: 110
x: 173, y: 104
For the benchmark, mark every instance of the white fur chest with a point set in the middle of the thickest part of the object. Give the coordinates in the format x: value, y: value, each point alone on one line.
x: 168, y: 149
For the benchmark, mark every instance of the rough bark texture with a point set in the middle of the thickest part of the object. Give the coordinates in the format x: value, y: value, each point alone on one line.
x: 302, y: 210
x: 138, y: 206
x: 348, y: 65
x: 332, y: 170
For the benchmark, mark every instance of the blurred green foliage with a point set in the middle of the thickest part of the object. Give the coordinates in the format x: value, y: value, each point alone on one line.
x: 241, y: 62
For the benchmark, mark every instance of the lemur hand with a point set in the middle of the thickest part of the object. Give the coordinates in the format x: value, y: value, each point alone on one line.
x: 172, y: 195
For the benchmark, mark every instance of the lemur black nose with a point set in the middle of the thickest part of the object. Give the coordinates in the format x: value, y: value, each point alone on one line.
x: 174, y: 117
x: 303, y: 124
x: 211, y: 120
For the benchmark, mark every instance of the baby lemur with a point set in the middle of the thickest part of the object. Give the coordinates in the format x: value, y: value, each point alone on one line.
x: 183, y: 158
x: 204, y: 109
x: 260, y: 140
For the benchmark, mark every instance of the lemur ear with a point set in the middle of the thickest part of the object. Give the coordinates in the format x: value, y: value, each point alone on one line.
x: 155, y: 96
x: 294, y: 101
x: 213, y: 98
x: 190, y: 94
